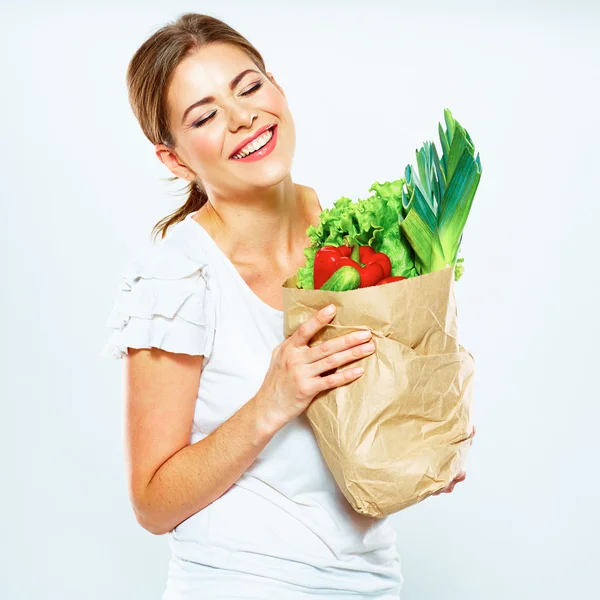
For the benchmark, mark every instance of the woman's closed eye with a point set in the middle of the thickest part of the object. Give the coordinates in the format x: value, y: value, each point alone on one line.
x: 246, y: 93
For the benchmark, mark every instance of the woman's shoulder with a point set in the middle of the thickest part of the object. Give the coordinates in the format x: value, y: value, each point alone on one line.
x: 164, y: 299
x: 172, y: 257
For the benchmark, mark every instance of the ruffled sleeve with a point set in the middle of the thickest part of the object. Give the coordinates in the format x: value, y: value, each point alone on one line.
x: 163, y: 301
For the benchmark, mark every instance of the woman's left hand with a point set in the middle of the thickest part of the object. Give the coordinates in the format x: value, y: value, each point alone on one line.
x: 460, y: 477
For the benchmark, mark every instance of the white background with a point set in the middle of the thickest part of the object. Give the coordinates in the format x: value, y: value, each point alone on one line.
x: 367, y: 83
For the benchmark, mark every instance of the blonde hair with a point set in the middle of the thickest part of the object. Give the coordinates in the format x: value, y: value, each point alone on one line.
x: 148, y: 77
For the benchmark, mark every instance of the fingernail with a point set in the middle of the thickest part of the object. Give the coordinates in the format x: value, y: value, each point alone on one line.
x: 329, y: 310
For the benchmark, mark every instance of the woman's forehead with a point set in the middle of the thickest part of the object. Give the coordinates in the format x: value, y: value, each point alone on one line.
x: 216, y: 60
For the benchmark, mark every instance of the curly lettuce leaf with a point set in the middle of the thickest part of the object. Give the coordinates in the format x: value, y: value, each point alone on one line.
x: 373, y: 221
x: 459, y: 269
x: 305, y: 275
x: 390, y: 240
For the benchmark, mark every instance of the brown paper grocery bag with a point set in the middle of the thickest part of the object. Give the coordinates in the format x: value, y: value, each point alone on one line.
x: 402, y: 430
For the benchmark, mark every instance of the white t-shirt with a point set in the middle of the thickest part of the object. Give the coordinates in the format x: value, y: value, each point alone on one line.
x: 283, y: 530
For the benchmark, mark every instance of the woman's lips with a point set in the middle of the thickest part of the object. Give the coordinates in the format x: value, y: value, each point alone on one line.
x: 264, y: 151
x: 249, y: 140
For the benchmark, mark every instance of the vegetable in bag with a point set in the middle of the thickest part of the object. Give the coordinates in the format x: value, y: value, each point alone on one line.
x: 416, y: 223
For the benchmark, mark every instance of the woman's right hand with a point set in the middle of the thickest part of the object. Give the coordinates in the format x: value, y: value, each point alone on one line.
x: 294, y: 375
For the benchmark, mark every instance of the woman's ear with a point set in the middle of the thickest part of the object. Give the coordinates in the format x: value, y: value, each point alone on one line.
x: 270, y: 76
x: 171, y: 161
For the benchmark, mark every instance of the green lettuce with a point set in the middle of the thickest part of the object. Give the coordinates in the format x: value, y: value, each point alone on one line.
x: 372, y: 221
x: 417, y: 221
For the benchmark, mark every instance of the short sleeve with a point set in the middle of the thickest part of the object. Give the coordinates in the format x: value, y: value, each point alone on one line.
x: 163, y: 301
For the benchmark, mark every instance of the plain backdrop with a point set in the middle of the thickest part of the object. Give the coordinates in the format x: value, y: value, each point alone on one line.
x: 367, y: 83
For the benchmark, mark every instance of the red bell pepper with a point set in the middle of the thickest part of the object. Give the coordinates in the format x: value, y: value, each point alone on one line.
x: 377, y: 265
x: 390, y: 279
x: 329, y: 259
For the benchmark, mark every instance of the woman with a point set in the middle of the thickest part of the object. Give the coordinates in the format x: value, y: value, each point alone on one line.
x: 220, y: 454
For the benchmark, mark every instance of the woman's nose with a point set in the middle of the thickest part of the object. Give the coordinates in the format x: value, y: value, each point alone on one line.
x: 241, y: 116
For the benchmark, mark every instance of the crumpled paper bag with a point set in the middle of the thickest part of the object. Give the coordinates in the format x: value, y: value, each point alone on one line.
x: 401, y: 431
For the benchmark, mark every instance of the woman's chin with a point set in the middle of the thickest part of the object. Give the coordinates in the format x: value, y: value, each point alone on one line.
x: 266, y: 172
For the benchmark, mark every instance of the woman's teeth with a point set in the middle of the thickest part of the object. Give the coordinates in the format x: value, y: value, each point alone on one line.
x: 257, y: 144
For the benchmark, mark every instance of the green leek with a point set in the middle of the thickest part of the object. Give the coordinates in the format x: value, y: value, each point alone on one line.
x: 438, y: 198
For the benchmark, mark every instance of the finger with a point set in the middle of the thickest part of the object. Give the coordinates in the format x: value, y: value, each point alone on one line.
x: 336, y: 379
x: 457, y: 480
x: 340, y: 358
x: 460, y: 478
x: 310, y: 327
x: 342, y: 342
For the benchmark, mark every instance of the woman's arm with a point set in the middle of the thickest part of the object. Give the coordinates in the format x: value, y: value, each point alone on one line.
x: 170, y: 479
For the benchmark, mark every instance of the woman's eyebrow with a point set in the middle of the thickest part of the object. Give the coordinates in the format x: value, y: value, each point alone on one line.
x: 208, y: 99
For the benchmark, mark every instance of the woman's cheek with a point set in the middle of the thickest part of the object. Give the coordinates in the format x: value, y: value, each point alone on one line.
x: 274, y: 102
x: 208, y: 147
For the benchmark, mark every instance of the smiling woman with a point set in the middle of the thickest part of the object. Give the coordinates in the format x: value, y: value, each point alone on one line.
x: 203, y: 99
x: 220, y: 454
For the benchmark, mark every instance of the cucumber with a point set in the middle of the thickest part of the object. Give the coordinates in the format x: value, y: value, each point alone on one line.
x: 345, y: 278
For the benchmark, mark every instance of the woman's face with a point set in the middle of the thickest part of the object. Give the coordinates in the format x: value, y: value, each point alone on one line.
x: 207, y: 135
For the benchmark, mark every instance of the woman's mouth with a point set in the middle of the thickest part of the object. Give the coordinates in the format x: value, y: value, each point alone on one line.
x: 259, y: 148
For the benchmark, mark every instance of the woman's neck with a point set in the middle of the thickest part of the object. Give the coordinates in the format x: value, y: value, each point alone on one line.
x: 254, y: 229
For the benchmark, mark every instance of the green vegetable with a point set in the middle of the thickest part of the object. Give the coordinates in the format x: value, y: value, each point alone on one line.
x: 345, y: 278
x: 369, y: 222
x: 439, y: 196
x: 417, y: 221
